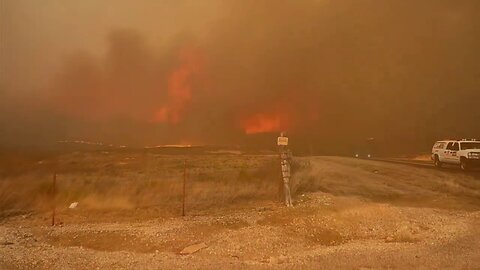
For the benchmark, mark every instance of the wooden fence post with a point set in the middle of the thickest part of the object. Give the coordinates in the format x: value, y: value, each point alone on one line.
x: 53, y: 197
x: 184, y: 190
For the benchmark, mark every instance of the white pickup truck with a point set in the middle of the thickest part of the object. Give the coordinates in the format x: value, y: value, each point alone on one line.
x: 465, y: 153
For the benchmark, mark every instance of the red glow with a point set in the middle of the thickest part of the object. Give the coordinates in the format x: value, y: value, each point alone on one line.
x: 266, y: 122
x: 180, y: 86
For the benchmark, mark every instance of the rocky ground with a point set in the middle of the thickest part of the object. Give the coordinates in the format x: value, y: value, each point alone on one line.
x: 348, y: 213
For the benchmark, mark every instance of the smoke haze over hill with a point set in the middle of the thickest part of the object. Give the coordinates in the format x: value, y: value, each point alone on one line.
x: 238, y: 72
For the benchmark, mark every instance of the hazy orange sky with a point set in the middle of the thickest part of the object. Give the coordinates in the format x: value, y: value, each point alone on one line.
x: 230, y: 72
x: 36, y: 35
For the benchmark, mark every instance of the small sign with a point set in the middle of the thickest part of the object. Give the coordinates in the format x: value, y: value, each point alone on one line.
x: 282, y: 141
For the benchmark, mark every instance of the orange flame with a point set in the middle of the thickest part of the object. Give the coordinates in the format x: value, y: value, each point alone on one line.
x: 266, y: 122
x: 180, y: 86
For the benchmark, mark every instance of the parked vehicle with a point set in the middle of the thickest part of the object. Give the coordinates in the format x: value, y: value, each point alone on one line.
x: 465, y: 153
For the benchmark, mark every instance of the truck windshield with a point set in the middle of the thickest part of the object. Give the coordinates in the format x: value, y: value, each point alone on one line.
x: 470, y: 145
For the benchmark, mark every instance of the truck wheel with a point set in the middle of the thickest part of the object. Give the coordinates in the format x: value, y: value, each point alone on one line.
x: 437, y: 162
x: 464, y: 164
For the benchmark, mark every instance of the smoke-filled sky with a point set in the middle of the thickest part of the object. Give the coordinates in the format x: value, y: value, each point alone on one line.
x: 328, y: 72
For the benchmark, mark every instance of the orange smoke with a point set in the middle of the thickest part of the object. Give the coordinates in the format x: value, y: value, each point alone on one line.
x: 180, y: 86
x: 266, y: 122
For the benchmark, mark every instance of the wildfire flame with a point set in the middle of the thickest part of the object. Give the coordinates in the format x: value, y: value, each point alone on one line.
x: 266, y: 122
x: 180, y: 86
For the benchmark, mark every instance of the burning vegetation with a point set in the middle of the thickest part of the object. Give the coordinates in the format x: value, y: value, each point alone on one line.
x: 179, y: 91
x: 321, y: 70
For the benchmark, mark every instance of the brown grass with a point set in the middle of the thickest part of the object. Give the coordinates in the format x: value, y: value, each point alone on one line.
x: 130, y: 180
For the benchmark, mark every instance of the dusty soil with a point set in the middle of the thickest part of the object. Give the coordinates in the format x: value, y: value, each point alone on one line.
x: 348, y: 213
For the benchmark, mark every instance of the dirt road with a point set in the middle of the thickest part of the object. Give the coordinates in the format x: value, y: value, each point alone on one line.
x: 348, y: 214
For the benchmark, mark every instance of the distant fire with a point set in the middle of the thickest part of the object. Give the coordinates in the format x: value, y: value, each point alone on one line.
x: 266, y: 122
x: 169, y: 146
x: 180, y: 86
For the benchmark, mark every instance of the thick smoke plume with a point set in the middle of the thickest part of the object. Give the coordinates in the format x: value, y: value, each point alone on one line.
x: 330, y: 73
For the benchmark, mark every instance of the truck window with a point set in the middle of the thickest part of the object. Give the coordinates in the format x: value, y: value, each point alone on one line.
x: 450, y: 146
x: 470, y: 145
x: 455, y: 147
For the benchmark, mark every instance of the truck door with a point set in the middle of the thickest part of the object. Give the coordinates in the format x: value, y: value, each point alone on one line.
x: 453, y: 153
x: 444, y: 154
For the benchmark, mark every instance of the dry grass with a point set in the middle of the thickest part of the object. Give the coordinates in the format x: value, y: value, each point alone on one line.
x: 128, y: 180
x: 125, y: 180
